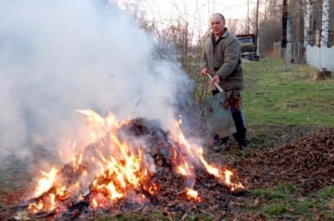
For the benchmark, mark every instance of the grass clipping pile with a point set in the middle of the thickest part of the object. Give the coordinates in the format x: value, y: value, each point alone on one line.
x: 307, y: 163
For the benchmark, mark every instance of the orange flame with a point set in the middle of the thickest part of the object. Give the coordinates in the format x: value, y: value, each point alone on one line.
x: 45, y: 183
x: 195, y: 153
x: 193, y: 195
x: 119, y: 167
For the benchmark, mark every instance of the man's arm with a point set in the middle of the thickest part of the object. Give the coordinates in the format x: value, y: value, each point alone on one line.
x: 204, y: 64
x: 204, y: 61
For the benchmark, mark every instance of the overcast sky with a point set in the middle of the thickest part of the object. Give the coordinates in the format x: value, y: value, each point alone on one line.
x: 231, y: 9
x: 195, y: 12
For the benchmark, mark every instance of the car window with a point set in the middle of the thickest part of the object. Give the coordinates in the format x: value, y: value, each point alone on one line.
x: 245, y: 40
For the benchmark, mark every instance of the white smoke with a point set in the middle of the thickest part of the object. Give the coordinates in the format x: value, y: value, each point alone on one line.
x: 58, y: 56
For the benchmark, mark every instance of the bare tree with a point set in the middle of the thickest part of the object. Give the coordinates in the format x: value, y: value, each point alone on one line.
x: 308, y: 13
x: 232, y: 25
x: 272, y: 10
x: 288, y: 54
x: 325, y: 23
x: 270, y: 25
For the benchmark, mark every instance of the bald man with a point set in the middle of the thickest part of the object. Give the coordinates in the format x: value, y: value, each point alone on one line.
x: 222, y: 59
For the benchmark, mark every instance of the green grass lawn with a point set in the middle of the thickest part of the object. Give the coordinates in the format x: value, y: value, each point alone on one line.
x: 285, y: 201
x: 291, y: 98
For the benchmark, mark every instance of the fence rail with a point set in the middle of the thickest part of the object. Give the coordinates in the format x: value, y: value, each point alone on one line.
x: 320, y: 57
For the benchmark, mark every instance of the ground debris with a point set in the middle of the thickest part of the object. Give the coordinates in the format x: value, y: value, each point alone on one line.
x: 309, y: 163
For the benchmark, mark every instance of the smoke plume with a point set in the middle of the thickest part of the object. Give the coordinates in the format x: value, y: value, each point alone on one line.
x: 59, y: 56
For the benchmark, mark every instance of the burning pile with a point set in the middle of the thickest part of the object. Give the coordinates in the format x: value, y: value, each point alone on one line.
x: 133, y: 165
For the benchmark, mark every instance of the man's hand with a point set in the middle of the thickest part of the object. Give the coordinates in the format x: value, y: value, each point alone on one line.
x: 215, y: 79
x: 205, y: 71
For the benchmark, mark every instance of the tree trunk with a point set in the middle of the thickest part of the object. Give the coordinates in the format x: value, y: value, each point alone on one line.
x: 325, y: 23
x: 288, y: 43
x: 286, y: 38
x: 257, y: 26
x: 307, y: 20
x: 284, y: 22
